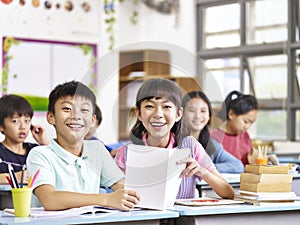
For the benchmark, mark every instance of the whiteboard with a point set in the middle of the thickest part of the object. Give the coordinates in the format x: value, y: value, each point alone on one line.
x: 35, y: 67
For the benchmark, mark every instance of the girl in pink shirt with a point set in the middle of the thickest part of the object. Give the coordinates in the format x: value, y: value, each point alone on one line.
x: 238, y: 112
x: 158, y: 111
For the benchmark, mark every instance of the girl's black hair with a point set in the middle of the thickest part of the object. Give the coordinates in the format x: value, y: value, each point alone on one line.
x: 239, y: 104
x: 70, y: 88
x: 156, y: 88
x: 204, y: 135
x: 11, y: 104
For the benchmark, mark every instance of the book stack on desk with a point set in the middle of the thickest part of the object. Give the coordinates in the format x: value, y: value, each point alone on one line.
x: 261, y: 184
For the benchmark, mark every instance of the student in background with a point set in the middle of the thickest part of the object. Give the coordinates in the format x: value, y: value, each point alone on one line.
x: 15, y: 124
x: 158, y: 110
x: 91, y: 134
x: 197, y: 112
x: 71, y: 169
x: 239, y: 112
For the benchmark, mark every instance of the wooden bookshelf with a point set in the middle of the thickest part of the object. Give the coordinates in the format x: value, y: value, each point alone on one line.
x: 135, y: 67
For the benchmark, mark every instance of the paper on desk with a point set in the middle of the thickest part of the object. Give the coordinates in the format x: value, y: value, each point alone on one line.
x: 39, y: 212
x: 154, y: 173
x: 206, y: 202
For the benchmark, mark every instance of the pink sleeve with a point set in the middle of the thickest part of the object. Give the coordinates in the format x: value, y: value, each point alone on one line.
x: 202, y: 157
x: 120, y: 158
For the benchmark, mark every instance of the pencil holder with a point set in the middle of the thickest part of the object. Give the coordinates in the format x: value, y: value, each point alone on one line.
x: 21, y: 201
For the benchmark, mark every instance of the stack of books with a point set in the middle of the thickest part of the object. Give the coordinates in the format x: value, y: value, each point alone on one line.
x: 266, y: 184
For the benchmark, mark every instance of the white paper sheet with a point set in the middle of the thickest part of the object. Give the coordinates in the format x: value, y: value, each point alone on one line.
x: 154, y: 173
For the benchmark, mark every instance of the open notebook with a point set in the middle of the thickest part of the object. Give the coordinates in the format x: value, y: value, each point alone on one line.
x: 154, y: 173
x: 40, y: 212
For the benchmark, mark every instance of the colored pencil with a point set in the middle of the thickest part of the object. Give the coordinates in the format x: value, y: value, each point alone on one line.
x: 9, y: 181
x: 29, y: 182
x: 13, y: 176
x: 22, y: 175
x: 34, y: 178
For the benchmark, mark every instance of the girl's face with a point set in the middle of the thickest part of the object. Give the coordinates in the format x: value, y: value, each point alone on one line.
x: 158, y: 116
x: 240, y: 123
x: 196, y: 115
x: 16, y: 128
x: 73, y: 119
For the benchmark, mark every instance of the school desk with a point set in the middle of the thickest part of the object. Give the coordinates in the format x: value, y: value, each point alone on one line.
x: 239, y: 214
x: 145, y: 217
x: 284, y: 159
x: 6, y: 200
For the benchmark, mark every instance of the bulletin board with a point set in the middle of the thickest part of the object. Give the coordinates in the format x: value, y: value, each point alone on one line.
x: 32, y: 68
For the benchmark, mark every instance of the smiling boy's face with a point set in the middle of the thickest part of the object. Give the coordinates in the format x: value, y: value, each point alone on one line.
x: 72, y: 120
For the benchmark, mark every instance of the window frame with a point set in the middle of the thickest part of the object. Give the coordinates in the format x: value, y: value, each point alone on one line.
x: 292, y: 103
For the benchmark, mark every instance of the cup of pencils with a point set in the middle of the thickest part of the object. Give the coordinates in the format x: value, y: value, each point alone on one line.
x: 21, y: 200
x: 261, y: 158
x: 21, y: 195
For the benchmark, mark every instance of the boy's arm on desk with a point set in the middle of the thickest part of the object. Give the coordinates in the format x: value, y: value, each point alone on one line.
x: 61, y: 200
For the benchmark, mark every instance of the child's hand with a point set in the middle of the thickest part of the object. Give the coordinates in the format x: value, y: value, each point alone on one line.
x: 39, y: 134
x: 123, y: 199
x: 273, y: 160
x: 192, y: 167
x: 252, y: 156
x: 113, y: 152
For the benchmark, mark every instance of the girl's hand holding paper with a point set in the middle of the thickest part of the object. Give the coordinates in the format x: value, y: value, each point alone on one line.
x: 192, y: 167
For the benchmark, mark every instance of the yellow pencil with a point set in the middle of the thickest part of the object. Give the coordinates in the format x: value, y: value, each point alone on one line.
x: 29, y: 182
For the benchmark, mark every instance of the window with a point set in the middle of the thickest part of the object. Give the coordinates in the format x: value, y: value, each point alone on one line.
x: 265, y: 67
x: 225, y: 73
x: 243, y: 49
x: 223, y: 34
x: 270, y: 28
x: 298, y: 125
x: 269, y: 125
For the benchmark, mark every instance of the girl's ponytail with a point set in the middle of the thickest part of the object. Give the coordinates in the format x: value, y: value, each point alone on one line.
x: 238, y: 103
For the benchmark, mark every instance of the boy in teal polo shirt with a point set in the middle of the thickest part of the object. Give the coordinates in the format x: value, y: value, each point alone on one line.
x: 71, y: 169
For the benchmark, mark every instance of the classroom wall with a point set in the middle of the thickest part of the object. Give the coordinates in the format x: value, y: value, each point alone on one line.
x: 27, y: 21
x: 153, y: 31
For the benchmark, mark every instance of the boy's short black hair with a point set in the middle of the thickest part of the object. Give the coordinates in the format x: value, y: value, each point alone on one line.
x: 11, y: 104
x: 98, y: 114
x: 70, y: 88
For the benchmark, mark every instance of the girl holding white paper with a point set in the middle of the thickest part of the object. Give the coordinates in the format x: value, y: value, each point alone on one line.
x: 158, y: 110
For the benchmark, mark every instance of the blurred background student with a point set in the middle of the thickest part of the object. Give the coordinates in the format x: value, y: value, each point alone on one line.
x: 15, y: 124
x: 91, y: 135
x: 239, y: 111
x: 197, y: 113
